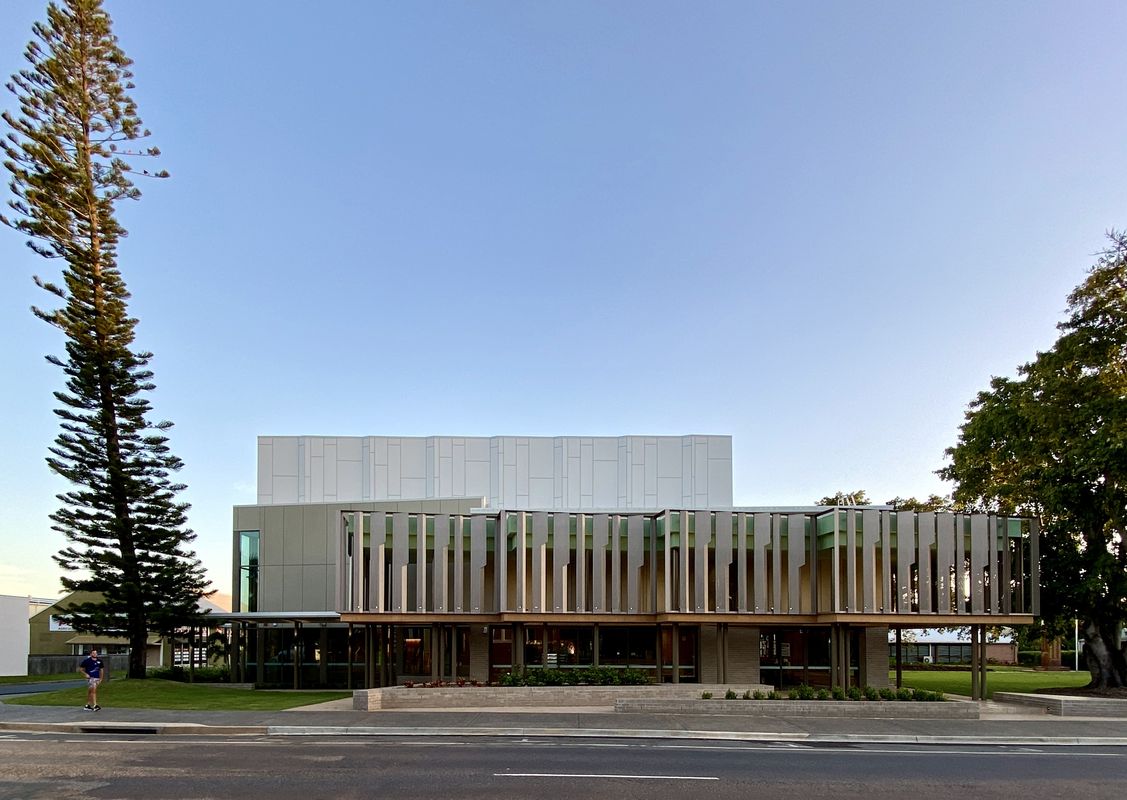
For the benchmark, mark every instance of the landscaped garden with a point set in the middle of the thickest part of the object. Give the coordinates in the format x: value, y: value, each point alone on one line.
x: 998, y: 679
x: 155, y: 693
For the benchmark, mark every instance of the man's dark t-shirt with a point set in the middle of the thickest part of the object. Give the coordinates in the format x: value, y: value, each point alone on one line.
x: 92, y: 667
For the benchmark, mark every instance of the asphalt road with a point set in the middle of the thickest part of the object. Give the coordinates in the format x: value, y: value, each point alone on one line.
x: 117, y: 766
x: 34, y: 688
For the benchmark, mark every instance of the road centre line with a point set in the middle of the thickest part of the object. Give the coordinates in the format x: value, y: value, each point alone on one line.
x: 597, y: 775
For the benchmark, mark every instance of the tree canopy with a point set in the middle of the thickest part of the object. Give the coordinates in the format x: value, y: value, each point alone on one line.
x: 126, y: 531
x: 1053, y: 442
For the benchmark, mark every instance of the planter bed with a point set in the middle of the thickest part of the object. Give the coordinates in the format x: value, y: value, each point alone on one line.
x: 875, y: 709
x: 439, y: 697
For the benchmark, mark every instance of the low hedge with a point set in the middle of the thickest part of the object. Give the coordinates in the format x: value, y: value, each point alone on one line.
x: 855, y: 693
x: 199, y: 675
x: 580, y: 676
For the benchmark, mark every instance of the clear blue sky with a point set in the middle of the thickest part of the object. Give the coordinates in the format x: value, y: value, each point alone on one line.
x: 817, y: 227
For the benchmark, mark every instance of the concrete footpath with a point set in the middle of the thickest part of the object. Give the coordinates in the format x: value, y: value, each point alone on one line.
x: 1000, y: 724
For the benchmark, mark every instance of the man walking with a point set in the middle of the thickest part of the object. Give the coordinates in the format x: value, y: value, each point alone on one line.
x: 91, y: 667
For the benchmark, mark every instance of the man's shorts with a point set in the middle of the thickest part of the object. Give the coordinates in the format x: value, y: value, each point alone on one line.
x: 94, y: 682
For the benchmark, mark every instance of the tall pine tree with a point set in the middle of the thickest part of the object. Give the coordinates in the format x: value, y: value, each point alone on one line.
x: 125, y: 529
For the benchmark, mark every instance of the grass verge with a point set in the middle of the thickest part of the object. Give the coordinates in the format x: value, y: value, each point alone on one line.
x: 69, y: 676
x: 997, y: 680
x: 154, y: 693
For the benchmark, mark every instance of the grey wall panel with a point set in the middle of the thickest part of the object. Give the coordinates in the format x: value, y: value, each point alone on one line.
x: 520, y: 560
x: 635, y: 558
x: 1005, y: 603
x: 317, y: 532
x: 400, y: 546
x: 478, y: 559
x: 851, y: 603
x: 270, y: 589
x: 669, y: 592
x: 440, y: 589
x: 501, y: 563
x: 760, y: 538
x: 378, y: 557
x: 356, y: 584
x: 870, y: 535
x: 978, y: 535
x: 776, y: 563
x: 340, y: 565
x: 702, y: 530
x: 796, y: 558
x: 905, y: 557
x: 991, y: 568
x: 684, y: 555
x: 723, y: 560
x: 421, y: 562
x: 580, y: 562
x: 944, y: 560
x: 598, y: 562
x: 888, y: 594
x: 459, y: 563
x: 926, y: 523
x: 539, y: 586
x: 616, y: 563
x: 961, y: 589
x: 315, y: 588
x: 741, y: 562
x: 561, y: 560
x: 540, y: 472
x: 1035, y: 566
x: 291, y: 587
x: 272, y: 542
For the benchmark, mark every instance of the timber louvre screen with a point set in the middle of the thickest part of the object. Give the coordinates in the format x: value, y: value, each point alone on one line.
x: 704, y: 562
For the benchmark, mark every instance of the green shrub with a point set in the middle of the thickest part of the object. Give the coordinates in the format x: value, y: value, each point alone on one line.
x: 838, y: 693
x: 855, y: 693
x: 730, y: 695
x: 758, y: 695
x: 904, y: 694
x: 773, y: 695
x: 822, y: 694
x: 706, y: 695
x: 199, y: 675
x: 802, y: 692
x: 887, y: 694
x: 747, y: 695
x: 872, y: 693
x: 583, y: 676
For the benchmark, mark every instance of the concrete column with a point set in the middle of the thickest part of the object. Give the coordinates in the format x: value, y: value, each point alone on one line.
x: 454, y: 652
x: 676, y: 653
x: 974, y: 692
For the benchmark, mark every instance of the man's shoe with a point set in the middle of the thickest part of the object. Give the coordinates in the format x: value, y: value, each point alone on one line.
x: 97, y: 708
x: 88, y: 707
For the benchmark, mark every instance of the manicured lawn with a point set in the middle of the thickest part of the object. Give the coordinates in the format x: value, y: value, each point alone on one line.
x: 75, y: 676
x: 997, y: 680
x: 153, y: 693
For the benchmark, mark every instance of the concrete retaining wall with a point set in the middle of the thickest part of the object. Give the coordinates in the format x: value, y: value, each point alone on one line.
x: 875, y: 709
x: 1067, y: 705
x: 532, y: 696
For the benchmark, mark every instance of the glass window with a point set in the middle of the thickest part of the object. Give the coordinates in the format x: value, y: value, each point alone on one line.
x: 248, y: 570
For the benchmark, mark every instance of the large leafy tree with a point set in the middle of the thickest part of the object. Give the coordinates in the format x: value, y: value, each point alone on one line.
x: 67, y: 153
x: 1053, y: 442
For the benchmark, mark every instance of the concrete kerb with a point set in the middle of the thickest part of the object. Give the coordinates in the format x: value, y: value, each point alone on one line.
x: 192, y: 729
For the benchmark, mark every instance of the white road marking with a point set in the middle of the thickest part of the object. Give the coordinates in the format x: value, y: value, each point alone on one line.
x: 596, y: 775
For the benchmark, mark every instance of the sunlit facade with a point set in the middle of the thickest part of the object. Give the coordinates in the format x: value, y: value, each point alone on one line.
x: 385, y: 589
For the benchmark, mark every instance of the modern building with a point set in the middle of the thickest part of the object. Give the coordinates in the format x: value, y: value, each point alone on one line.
x: 375, y: 560
x: 14, y: 612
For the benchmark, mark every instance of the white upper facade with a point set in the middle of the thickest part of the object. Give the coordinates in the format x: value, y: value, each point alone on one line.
x: 529, y: 472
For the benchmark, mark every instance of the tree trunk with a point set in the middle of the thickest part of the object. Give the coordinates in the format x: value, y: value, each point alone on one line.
x: 1104, y: 657
x: 138, y: 644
